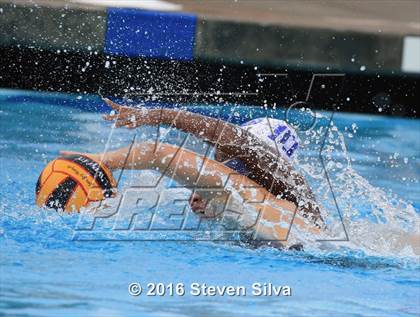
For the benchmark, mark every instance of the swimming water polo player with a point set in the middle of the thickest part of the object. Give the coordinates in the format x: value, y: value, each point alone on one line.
x: 247, y: 156
x: 260, y: 149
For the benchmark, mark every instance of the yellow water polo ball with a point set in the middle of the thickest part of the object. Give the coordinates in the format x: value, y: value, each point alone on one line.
x: 71, y: 182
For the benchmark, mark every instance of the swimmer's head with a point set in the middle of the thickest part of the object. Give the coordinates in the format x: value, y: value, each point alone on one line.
x: 71, y: 182
x: 277, y: 134
x: 207, y: 207
x: 197, y: 203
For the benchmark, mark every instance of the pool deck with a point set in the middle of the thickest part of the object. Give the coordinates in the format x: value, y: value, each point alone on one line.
x: 373, y: 38
x: 344, y: 35
x: 347, y: 35
x: 368, y: 16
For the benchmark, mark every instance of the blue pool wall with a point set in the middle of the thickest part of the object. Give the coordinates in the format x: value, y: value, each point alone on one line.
x: 135, y: 33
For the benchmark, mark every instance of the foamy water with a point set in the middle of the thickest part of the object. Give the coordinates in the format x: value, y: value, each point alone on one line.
x: 372, y: 164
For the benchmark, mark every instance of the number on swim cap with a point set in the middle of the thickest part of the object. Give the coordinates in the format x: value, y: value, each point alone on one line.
x: 275, y: 133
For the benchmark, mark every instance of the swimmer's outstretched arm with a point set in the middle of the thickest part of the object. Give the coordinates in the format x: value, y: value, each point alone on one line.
x: 213, y: 130
x: 267, y: 215
x: 275, y: 173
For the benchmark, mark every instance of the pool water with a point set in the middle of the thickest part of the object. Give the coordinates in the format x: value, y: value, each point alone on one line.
x: 373, y: 166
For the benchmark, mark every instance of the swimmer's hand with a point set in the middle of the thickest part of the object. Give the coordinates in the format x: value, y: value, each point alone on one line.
x: 131, y: 117
x: 112, y: 159
x: 95, y: 157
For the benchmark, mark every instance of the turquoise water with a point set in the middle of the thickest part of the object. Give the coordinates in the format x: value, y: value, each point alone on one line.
x: 373, y: 164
